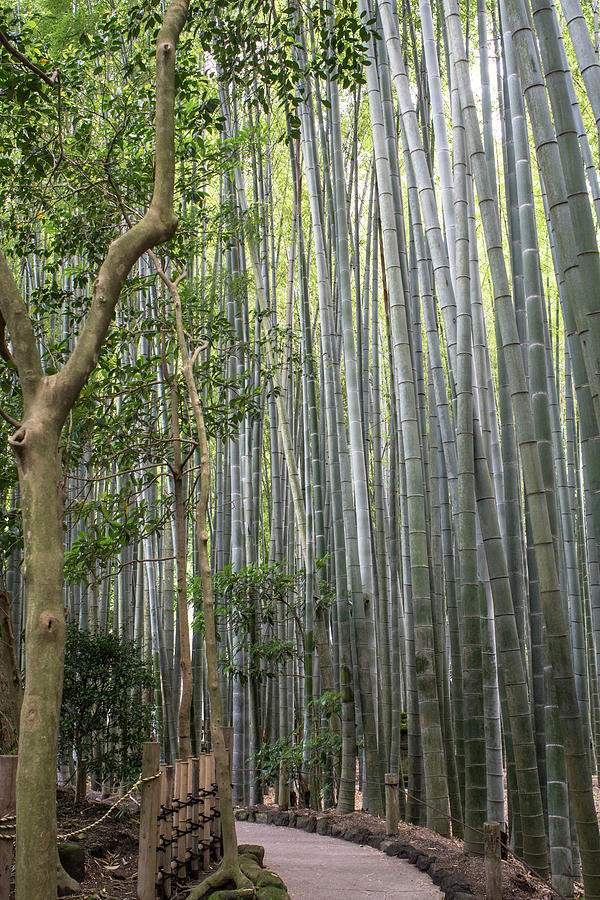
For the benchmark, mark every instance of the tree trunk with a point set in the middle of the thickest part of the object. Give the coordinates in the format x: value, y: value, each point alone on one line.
x: 35, y: 445
x: 10, y: 680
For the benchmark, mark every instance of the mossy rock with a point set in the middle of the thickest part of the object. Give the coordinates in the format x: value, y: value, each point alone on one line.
x: 232, y: 894
x: 272, y: 892
x: 267, y: 878
x: 72, y: 859
x: 250, y: 868
x: 254, y: 850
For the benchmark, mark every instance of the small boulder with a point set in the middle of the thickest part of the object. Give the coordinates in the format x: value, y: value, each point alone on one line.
x: 72, y: 858
x: 323, y: 826
x: 437, y: 874
x: 376, y: 840
x: 277, y: 817
x: 385, y: 843
x: 254, y: 850
x: 360, y: 835
x: 269, y: 878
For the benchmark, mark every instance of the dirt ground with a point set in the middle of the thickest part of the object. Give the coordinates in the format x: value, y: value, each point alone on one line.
x: 111, y: 845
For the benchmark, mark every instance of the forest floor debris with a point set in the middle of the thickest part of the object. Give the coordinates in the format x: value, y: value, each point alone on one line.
x: 111, y: 845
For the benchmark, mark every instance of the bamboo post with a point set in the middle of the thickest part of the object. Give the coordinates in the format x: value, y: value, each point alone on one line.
x: 166, y: 829
x: 8, y: 800
x: 146, y: 885
x: 216, y: 806
x: 493, y: 861
x: 189, y: 815
x: 180, y: 816
x: 391, y: 802
x: 194, y: 789
x: 206, y: 832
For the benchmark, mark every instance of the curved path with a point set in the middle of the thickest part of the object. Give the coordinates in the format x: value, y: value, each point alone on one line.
x: 315, y: 867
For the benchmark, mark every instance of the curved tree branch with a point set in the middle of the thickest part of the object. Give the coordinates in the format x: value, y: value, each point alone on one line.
x: 50, y: 79
x: 157, y: 225
x: 14, y: 315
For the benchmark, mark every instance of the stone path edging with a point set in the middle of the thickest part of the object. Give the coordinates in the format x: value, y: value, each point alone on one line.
x: 447, y: 882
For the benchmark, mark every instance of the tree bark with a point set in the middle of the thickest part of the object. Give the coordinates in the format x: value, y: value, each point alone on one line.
x: 11, y: 689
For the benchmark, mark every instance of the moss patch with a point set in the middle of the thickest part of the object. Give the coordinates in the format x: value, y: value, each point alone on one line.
x: 269, y: 886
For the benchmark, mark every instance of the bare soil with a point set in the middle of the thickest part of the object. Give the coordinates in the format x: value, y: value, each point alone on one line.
x: 111, y: 845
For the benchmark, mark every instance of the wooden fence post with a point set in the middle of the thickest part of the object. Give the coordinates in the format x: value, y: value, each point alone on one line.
x: 215, y: 807
x: 207, y: 830
x: 189, y: 814
x: 166, y: 828
x: 391, y: 802
x: 493, y: 861
x: 180, y: 816
x: 8, y: 800
x: 146, y: 884
x: 194, y: 789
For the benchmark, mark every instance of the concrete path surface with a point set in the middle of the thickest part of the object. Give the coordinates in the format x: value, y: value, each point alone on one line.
x: 315, y: 867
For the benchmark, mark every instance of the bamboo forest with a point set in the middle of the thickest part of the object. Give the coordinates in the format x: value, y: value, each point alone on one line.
x: 300, y: 413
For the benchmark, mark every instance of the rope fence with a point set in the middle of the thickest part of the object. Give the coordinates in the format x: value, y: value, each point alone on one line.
x: 8, y: 828
x: 72, y: 834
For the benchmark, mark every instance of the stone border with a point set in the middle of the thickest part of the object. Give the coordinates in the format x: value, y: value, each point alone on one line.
x: 447, y: 882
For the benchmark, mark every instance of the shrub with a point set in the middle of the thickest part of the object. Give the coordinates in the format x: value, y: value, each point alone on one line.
x: 104, y: 716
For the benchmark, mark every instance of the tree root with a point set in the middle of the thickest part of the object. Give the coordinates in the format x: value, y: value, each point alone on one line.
x: 65, y: 884
x: 226, y: 873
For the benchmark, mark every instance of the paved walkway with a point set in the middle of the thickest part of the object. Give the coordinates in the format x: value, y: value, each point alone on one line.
x: 325, y: 868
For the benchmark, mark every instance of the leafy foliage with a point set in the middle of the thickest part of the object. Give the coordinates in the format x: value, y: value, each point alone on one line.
x: 254, y: 600
x: 103, y: 715
x: 298, y: 757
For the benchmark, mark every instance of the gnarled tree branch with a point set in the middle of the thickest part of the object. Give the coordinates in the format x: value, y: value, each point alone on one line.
x: 157, y: 225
